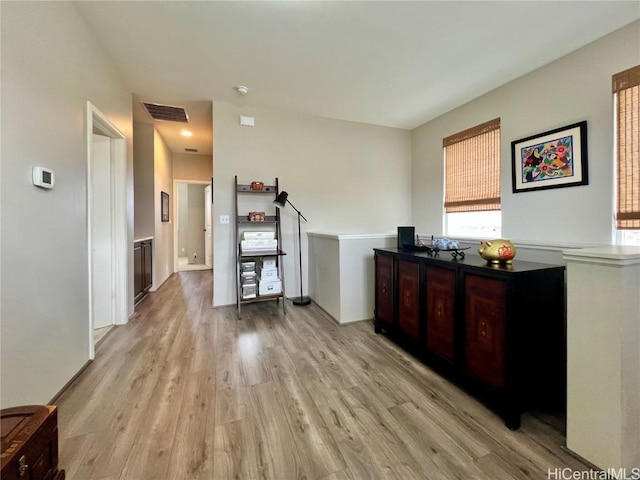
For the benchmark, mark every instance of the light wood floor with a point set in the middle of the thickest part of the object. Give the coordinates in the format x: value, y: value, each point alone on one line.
x: 186, y: 391
x: 99, y: 333
x: 185, y: 266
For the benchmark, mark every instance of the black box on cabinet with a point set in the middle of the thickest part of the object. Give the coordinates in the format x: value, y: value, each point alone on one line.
x: 406, y: 236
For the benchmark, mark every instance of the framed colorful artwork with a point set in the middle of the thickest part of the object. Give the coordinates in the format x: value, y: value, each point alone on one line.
x: 553, y: 159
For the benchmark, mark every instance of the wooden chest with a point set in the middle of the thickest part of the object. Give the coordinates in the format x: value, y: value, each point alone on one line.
x: 30, y: 443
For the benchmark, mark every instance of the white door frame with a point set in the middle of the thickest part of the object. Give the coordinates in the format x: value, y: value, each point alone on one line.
x: 208, y: 207
x: 102, y: 265
x: 98, y: 122
x: 175, y: 223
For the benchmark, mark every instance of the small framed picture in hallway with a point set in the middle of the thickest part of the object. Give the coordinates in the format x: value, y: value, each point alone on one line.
x: 164, y: 202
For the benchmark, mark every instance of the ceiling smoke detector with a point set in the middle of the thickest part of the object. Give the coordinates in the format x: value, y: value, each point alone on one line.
x: 242, y: 90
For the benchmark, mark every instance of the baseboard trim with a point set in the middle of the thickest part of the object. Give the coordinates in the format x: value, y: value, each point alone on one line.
x: 68, y: 384
x: 109, y: 332
x: 566, y: 449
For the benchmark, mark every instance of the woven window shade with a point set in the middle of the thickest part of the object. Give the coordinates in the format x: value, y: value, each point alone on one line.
x: 626, y: 86
x: 472, y: 164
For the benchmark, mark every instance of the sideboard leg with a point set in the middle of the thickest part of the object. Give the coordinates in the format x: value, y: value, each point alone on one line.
x: 512, y: 420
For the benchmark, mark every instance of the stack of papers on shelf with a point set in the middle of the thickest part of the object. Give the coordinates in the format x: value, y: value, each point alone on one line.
x: 258, y: 242
x: 258, y: 245
x: 259, y: 235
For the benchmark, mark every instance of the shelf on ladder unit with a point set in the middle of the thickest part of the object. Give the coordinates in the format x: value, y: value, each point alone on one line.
x: 243, y: 224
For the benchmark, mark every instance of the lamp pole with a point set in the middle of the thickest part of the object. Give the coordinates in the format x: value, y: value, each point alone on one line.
x: 281, y: 200
x: 302, y: 300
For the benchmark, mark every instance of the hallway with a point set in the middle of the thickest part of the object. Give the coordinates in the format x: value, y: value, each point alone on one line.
x: 185, y: 266
x: 186, y: 391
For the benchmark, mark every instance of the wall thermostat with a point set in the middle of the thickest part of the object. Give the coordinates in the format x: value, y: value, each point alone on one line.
x: 43, y: 177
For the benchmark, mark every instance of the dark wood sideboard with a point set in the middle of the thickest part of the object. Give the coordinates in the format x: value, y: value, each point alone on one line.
x: 498, y: 331
x: 30, y: 443
x: 142, y: 271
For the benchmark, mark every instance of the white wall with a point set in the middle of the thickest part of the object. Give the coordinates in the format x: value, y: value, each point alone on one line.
x: 51, y: 66
x: 345, y: 177
x: 144, y: 205
x: 357, y: 274
x: 198, y: 168
x: 342, y: 273
x: 191, y: 221
x: 603, y: 355
x: 163, y: 236
x: 192, y: 167
x: 574, y: 88
x: 183, y: 218
x: 324, y: 272
x: 154, y: 174
x: 195, y: 229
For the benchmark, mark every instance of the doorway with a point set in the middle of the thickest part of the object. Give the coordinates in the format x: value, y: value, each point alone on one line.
x: 103, y: 310
x: 106, y: 224
x: 192, y: 233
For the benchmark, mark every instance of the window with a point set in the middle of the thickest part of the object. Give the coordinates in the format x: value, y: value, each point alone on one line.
x: 472, y: 181
x: 626, y: 90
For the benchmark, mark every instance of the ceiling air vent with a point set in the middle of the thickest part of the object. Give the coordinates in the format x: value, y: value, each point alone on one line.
x: 192, y: 150
x: 166, y: 112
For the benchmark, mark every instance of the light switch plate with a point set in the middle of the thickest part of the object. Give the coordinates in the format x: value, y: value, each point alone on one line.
x: 224, y: 219
x: 247, y: 121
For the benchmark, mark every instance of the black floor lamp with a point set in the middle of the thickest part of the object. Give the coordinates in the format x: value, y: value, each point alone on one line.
x: 280, y: 202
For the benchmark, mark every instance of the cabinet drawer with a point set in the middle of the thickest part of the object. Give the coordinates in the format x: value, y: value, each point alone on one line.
x: 485, y: 315
x: 137, y: 270
x: 440, y: 292
x: 384, y: 288
x: 147, y: 265
x: 408, y: 297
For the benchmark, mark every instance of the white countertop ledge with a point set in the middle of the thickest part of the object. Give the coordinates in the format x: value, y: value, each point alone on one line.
x: 351, y: 236
x: 621, y: 255
x: 142, y: 239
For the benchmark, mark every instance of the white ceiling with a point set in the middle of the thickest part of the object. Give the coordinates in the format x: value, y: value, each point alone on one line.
x: 390, y: 63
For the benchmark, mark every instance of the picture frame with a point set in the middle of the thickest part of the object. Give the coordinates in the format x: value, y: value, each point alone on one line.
x: 553, y: 159
x: 164, y: 202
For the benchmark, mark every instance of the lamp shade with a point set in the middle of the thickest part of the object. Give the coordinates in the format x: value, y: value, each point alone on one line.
x: 281, y: 199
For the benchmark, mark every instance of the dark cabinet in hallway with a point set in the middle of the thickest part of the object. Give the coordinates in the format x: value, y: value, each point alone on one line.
x: 142, y: 272
x: 497, y: 330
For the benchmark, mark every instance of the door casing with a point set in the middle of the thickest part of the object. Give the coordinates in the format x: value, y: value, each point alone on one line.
x: 175, y: 222
x: 97, y: 122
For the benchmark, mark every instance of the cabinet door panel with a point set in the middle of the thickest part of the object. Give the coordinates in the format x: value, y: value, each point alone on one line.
x: 440, y: 308
x: 384, y: 288
x: 485, y: 301
x: 408, y: 297
x: 137, y: 269
x: 146, y: 255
